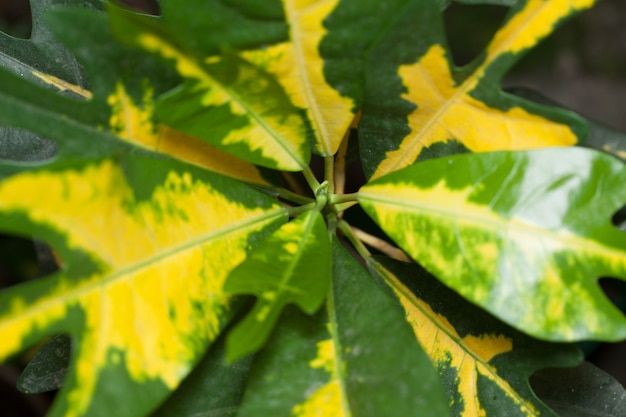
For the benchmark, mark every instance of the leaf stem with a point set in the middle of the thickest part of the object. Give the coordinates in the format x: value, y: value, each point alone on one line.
x: 343, y: 198
x: 380, y: 245
x: 340, y: 208
x: 311, y: 180
x: 340, y: 165
x: 329, y: 173
x: 293, y: 197
x: 346, y: 229
x: 296, y: 211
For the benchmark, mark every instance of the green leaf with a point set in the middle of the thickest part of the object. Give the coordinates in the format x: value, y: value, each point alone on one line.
x: 515, y: 233
x: 583, y: 391
x: 21, y: 145
x: 484, y: 364
x: 46, y: 371
x: 120, y: 99
x: 419, y: 105
x: 225, y: 101
x: 292, y: 266
x: 353, y: 358
x: 146, y: 245
x: 214, y: 388
x: 43, y: 53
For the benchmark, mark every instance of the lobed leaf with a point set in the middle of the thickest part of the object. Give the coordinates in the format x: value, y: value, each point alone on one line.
x: 350, y: 359
x: 515, y: 233
x: 225, y: 101
x: 484, y: 365
x: 146, y: 246
x: 418, y: 104
x: 292, y: 266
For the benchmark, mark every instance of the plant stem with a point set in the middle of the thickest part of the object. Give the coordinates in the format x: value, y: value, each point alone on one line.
x: 343, y: 207
x: 343, y: 198
x: 340, y: 165
x: 380, y: 245
x: 329, y: 173
x: 293, y: 197
x: 295, y: 211
x: 311, y: 180
x: 346, y: 229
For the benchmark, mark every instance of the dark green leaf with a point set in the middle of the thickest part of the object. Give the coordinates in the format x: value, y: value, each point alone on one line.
x: 357, y: 357
x: 213, y: 389
x: 46, y: 371
x: 583, y: 391
x: 483, y: 363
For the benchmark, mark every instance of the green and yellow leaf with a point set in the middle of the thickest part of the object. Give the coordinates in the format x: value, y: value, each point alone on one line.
x: 350, y: 359
x: 292, y: 266
x: 146, y: 247
x: 134, y: 123
x: 299, y: 67
x: 483, y: 364
x: 442, y: 106
x: 515, y: 233
x: 225, y: 101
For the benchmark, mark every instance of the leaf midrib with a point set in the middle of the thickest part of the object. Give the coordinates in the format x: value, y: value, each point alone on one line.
x: 496, y: 222
x: 76, y: 293
x: 401, y: 289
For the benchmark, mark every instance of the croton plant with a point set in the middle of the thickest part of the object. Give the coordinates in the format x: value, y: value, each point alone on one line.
x: 303, y: 208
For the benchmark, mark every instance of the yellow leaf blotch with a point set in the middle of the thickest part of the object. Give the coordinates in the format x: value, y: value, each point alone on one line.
x: 469, y: 355
x: 158, y: 296
x: 277, y: 137
x: 446, y: 111
x: 299, y: 68
x: 324, y: 402
x: 133, y: 122
x: 328, y: 399
x: 185, y: 66
x: 535, y: 21
x: 325, y: 356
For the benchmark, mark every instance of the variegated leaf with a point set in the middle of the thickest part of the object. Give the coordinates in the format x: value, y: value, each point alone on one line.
x: 425, y: 106
x: 484, y: 365
x: 350, y: 359
x: 225, y: 101
x: 146, y: 245
x: 516, y: 233
x: 299, y: 68
x: 292, y: 266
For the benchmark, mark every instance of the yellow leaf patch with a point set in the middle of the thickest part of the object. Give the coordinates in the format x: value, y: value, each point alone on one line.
x: 160, y: 263
x: 299, y: 68
x: 134, y: 123
x: 446, y: 110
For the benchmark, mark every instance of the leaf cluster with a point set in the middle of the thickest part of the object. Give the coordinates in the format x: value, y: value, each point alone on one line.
x: 194, y: 173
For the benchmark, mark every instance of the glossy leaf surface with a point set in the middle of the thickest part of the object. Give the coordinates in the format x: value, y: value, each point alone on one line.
x: 292, y: 266
x: 214, y: 388
x: 350, y: 359
x: 419, y: 105
x: 583, y: 391
x: 483, y: 364
x: 225, y: 101
x: 146, y: 245
x: 299, y: 67
x: 515, y: 233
